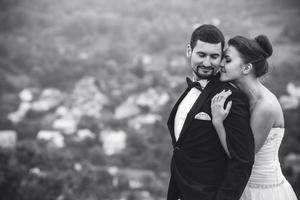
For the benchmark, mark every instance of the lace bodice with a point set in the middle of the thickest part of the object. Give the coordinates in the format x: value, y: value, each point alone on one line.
x: 266, y: 169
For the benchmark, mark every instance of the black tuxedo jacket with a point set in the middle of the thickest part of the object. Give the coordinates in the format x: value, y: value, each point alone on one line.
x: 200, y: 168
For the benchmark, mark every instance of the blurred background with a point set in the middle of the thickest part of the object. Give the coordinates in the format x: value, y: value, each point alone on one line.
x: 86, y: 88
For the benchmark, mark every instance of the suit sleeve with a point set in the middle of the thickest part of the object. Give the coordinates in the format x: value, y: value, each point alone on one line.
x: 240, y: 144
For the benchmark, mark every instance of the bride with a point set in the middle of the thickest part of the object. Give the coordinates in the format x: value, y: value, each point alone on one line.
x: 246, y: 61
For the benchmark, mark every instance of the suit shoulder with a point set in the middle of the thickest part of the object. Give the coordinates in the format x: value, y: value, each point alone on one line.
x: 228, y: 86
x: 236, y: 91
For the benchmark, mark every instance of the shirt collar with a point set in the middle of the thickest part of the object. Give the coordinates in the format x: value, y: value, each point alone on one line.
x: 203, y: 82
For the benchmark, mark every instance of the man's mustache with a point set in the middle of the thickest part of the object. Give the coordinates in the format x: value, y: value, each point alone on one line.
x: 204, y: 67
x: 212, y: 67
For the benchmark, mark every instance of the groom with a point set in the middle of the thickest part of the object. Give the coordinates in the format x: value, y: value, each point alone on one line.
x: 200, y: 168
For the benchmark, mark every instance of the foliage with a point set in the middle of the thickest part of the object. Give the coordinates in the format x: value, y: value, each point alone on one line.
x: 33, y: 172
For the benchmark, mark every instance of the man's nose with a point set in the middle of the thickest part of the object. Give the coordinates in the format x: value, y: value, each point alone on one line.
x: 206, y: 62
x: 222, y: 64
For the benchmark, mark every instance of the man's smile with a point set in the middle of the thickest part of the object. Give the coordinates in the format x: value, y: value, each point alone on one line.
x: 204, y: 68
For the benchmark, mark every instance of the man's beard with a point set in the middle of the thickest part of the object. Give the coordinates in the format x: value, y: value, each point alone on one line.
x: 201, y: 76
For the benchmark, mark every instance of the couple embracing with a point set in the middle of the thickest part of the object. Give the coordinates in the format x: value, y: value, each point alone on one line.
x: 226, y: 127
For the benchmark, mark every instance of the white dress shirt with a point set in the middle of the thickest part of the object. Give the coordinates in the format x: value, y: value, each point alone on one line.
x: 185, y: 106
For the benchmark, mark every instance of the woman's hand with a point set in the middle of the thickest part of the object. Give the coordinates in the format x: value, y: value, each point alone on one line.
x: 218, y: 112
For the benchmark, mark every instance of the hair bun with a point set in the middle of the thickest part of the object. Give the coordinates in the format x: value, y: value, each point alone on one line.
x: 265, y: 44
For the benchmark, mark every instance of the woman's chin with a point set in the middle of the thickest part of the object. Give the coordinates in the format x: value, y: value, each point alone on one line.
x: 224, y: 78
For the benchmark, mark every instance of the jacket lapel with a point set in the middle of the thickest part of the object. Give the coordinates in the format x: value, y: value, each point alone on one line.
x: 172, y: 115
x: 197, y: 106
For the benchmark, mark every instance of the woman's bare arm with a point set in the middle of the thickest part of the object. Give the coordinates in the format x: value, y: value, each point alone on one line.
x: 219, y: 114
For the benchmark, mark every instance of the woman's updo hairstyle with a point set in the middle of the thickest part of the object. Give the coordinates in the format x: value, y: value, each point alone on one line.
x: 254, y: 51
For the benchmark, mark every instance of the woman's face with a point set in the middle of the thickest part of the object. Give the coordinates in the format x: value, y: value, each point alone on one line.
x: 232, y: 65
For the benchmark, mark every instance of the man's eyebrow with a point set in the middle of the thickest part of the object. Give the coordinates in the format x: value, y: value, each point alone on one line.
x: 208, y: 53
x: 215, y: 54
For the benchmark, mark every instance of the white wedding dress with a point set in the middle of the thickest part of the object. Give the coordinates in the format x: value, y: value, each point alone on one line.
x: 267, y: 181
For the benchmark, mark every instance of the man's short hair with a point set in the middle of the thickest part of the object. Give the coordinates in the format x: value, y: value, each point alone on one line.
x: 207, y: 33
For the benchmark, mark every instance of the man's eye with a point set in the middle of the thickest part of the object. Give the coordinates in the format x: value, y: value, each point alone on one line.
x: 201, y: 55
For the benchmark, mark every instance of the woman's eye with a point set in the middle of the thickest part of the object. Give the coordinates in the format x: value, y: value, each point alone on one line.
x: 227, y: 60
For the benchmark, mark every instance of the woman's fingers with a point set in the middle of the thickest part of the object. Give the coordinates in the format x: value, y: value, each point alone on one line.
x: 218, y: 96
x: 222, y: 96
x: 215, y: 98
x: 225, y: 95
x: 228, y: 106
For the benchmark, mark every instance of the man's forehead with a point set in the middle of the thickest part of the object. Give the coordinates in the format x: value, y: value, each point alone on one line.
x: 210, y: 47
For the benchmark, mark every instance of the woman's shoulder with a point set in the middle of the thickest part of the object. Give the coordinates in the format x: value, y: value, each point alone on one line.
x: 268, y: 111
x: 269, y: 100
x: 267, y: 104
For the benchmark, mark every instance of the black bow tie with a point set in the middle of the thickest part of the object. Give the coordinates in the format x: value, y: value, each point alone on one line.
x: 192, y: 84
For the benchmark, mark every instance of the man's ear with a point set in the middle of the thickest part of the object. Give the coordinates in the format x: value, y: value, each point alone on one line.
x: 247, y: 68
x: 188, y: 51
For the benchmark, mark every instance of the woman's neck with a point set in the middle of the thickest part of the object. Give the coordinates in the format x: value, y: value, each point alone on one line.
x: 252, y: 87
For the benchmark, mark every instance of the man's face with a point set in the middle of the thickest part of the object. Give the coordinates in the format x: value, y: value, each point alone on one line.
x: 205, y: 59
